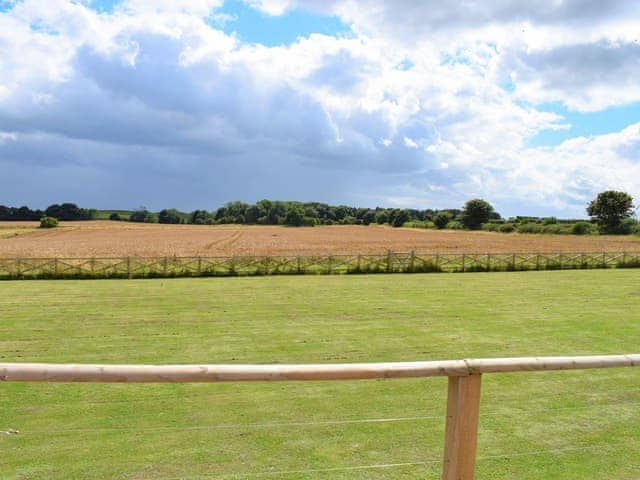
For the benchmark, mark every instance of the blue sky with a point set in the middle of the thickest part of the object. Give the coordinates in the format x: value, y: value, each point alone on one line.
x: 253, y: 26
x: 589, y: 124
x: 190, y: 104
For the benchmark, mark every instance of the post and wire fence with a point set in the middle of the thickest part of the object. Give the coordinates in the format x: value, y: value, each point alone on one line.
x: 389, y: 262
x: 463, y: 395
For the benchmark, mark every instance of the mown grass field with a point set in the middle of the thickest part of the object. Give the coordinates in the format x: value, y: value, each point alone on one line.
x: 560, y: 425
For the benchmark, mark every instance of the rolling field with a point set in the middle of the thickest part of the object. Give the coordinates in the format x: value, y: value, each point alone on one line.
x: 560, y: 425
x: 118, y: 239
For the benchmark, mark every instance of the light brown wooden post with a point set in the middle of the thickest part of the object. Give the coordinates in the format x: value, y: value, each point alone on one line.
x: 461, y: 432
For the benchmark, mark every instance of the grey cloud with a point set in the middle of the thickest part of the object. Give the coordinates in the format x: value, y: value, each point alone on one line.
x: 578, y: 66
x: 410, y: 17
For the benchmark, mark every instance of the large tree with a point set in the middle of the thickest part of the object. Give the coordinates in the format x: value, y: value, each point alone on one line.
x: 476, y: 212
x: 609, y: 209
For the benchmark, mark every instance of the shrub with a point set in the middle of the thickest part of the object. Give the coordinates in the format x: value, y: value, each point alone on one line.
x: 507, y: 228
x: 454, y: 225
x: 348, y: 220
x: 417, y: 224
x: 142, y: 215
x: 115, y: 216
x: 557, y: 229
x: 549, y: 221
x: 310, y: 221
x: 441, y: 220
x: 48, y: 222
x: 625, y: 227
x: 530, y: 228
x: 581, y: 228
x: 491, y: 227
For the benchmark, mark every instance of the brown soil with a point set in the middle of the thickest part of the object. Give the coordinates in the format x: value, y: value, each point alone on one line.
x: 116, y: 239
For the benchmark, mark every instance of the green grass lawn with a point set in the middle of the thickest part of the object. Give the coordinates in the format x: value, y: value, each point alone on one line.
x: 555, y: 425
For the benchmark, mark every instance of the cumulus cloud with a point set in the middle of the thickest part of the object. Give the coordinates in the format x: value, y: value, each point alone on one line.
x: 155, y: 105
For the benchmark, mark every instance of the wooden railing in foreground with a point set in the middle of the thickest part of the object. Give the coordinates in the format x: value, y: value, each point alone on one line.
x: 389, y: 262
x: 463, y: 401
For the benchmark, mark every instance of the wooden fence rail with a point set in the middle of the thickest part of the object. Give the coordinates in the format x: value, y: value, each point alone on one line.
x: 390, y: 262
x: 463, y: 400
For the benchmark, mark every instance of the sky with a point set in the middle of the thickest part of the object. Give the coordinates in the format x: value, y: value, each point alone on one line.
x: 404, y: 103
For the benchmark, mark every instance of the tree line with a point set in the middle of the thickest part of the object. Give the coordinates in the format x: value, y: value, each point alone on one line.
x: 65, y: 211
x: 611, y: 212
x: 290, y: 213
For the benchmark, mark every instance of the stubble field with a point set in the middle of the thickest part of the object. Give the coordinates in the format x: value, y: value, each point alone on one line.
x: 117, y: 239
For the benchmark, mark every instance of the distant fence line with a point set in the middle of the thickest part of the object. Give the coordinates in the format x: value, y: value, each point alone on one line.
x: 390, y: 262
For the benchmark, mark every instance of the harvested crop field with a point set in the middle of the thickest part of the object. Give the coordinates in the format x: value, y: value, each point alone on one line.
x: 115, y: 239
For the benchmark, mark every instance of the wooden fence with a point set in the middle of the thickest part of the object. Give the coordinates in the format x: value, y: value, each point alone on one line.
x: 390, y: 262
x: 463, y: 400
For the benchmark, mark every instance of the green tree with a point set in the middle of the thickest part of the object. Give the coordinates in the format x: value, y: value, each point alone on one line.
x: 382, y: 217
x: 399, y: 217
x: 476, y: 212
x: 441, y: 220
x: 369, y: 217
x: 609, y: 208
x: 170, y: 215
x: 141, y: 214
x: 294, y: 216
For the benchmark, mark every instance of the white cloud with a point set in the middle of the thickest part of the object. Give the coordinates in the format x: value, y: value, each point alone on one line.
x: 154, y: 89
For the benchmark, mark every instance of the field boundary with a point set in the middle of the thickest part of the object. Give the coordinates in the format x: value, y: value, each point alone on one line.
x: 390, y: 262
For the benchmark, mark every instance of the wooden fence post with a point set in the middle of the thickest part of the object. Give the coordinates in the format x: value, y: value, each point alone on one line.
x: 388, y: 261
x: 129, y: 267
x: 412, y: 261
x: 461, y: 431
x: 463, y: 257
x: 199, y: 266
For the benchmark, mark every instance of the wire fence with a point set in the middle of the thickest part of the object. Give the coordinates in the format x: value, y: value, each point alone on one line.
x: 390, y: 262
